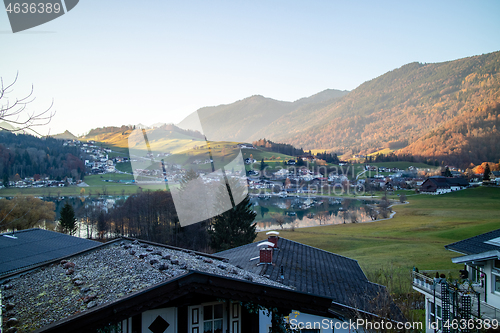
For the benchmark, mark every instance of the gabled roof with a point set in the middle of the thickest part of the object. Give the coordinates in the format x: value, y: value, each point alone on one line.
x: 439, y: 181
x: 108, y: 274
x: 314, y: 271
x: 477, y: 244
x: 166, y: 294
x: 32, y: 247
x: 446, y: 182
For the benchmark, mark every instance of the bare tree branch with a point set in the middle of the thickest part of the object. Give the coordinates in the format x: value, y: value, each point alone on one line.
x: 16, y: 112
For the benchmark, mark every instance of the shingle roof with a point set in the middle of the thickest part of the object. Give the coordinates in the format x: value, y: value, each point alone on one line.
x: 35, y: 246
x: 313, y: 271
x: 105, y: 274
x: 475, y: 244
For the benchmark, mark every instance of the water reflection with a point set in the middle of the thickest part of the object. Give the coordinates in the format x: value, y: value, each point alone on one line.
x: 301, y: 212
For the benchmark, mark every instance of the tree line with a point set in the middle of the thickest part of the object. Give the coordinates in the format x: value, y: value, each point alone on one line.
x: 151, y: 215
x: 282, y: 148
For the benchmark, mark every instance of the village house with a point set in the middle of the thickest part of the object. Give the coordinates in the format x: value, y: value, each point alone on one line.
x: 129, y: 286
x: 440, y: 185
x: 475, y: 296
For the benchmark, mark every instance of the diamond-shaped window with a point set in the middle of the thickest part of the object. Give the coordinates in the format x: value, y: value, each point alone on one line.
x: 159, y: 325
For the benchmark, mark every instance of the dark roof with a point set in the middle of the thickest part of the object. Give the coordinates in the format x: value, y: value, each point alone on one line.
x: 457, y: 181
x: 446, y: 182
x: 115, y: 271
x: 35, y: 246
x: 439, y: 181
x: 476, y: 244
x: 312, y: 270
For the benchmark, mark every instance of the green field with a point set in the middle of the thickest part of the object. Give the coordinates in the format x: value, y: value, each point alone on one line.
x: 415, y: 236
x: 97, y: 186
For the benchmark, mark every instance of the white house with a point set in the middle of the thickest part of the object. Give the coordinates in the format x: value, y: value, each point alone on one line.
x: 476, y: 295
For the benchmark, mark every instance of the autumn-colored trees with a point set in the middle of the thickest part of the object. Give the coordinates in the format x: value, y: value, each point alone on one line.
x: 446, y: 111
x: 24, y: 213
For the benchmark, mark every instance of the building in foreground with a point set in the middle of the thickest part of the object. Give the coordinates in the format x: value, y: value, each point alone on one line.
x: 130, y: 286
x: 475, y: 296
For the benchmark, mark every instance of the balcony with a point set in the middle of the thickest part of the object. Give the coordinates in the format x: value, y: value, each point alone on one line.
x: 425, y: 284
x: 480, y: 309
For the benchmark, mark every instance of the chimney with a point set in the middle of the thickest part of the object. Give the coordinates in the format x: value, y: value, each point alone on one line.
x: 266, y: 252
x: 272, y: 237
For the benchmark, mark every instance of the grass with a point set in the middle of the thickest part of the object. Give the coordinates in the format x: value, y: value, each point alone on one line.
x: 403, y: 165
x: 385, y: 151
x: 415, y: 236
x: 96, y: 183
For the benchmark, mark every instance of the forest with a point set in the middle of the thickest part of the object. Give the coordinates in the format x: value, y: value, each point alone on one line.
x: 281, y: 148
x: 446, y: 111
x: 23, y: 155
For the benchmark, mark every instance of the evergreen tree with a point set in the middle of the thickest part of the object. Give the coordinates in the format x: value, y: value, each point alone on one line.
x: 262, y: 165
x: 68, y: 220
x: 446, y: 173
x: 234, y: 227
x: 5, y: 180
x: 487, y: 172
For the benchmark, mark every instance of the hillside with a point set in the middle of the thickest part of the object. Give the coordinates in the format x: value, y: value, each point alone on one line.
x: 166, y: 138
x: 23, y: 155
x: 253, y: 117
x: 447, y: 111
x: 66, y: 135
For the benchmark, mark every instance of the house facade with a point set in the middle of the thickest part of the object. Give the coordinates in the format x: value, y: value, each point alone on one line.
x: 475, y: 296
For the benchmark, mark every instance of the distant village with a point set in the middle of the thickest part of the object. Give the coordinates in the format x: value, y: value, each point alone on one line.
x: 293, y: 178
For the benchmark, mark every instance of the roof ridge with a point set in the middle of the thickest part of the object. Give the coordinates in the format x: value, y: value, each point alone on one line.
x: 316, y: 248
x: 174, y: 248
x: 22, y: 230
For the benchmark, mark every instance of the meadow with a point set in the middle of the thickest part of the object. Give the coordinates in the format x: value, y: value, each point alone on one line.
x: 417, y: 234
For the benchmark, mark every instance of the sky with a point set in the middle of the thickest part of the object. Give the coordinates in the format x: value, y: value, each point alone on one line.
x: 113, y: 63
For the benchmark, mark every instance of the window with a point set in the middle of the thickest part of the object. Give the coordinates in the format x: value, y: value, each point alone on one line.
x: 212, y: 318
x: 496, y: 283
x: 435, y: 314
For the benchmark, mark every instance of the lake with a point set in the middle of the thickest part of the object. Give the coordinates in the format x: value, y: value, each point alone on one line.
x: 299, y: 212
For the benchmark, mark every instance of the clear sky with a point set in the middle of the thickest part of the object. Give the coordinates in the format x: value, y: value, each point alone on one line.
x: 127, y: 62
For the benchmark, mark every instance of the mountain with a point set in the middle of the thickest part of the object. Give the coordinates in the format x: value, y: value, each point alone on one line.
x: 166, y: 138
x: 67, y: 135
x: 248, y: 119
x: 447, y: 111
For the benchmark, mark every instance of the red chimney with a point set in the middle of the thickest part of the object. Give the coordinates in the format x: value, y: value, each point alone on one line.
x: 266, y: 252
x: 266, y: 255
x: 273, y: 237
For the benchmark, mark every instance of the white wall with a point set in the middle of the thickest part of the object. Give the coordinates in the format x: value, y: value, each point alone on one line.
x: 169, y: 314
x: 493, y: 298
